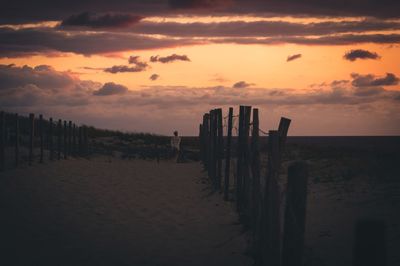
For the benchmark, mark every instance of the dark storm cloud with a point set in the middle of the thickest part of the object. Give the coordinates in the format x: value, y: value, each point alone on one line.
x: 169, y: 59
x: 371, y: 80
x: 91, y: 20
x: 293, y: 57
x: 360, y: 54
x: 241, y: 85
x: 111, y: 88
x: 18, y: 11
x: 261, y: 28
x: 43, y: 40
x: 124, y: 69
x: 154, y: 77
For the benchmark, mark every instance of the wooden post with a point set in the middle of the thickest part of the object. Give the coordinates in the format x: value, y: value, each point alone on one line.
x: 31, y: 136
x: 255, y: 170
x: 69, y: 138
x: 59, y: 139
x: 2, y: 141
x: 16, y: 125
x: 246, y: 179
x: 239, y: 171
x: 65, y: 140
x: 220, y: 149
x: 370, y: 243
x: 74, y: 149
x: 41, y: 136
x: 51, y: 146
x: 201, y: 148
x: 80, y: 141
x: 228, y: 155
x: 295, y: 215
x: 206, y: 133
x: 272, y: 197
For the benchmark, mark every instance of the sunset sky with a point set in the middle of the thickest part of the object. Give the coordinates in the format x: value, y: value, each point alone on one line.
x: 333, y: 67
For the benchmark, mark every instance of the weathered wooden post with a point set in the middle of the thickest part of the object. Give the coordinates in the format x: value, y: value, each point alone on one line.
x: 213, y: 146
x: 74, y: 148
x: 201, y: 148
x: 31, y: 136
x: 59, y: 139
x: 272, y: 197
x: 80, y: 141
x: 220, y: 149
x: 16, y: 128
x: 206, y: 133
x: 255, y: 170
x: 2, y: 141
x: 246, y: 183
x: 41, y: 136
x: 228, y: 154
x: 295, y: 215
x: 65, y: 140
x: 51, y: 146
x: 370, y: 243
x: 69, y: 138
x: 239, y: 171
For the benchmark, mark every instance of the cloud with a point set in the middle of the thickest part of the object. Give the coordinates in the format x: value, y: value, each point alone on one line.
x: 111, y: 88
x: 124, y: 69
x: 92, y: 20
x: 169, y: 59
x: 371, y: 80
x: 360, y: 54
x: 241, y: 85
x: 154, y: 77
x: 293, y: 57
x: 193, y: 4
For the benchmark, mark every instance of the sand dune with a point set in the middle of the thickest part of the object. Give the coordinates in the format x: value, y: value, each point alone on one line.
x: 113, y: 212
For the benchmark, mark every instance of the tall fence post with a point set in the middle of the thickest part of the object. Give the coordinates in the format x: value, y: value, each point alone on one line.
x: 2, y: 140
x: 65, y: 146
x: 59, y: 139
x: 16, y: 128
x: 271, y: 252
x: 246, y: 183
x: 228, y: 154
x: 201, y: 146
x: 50, y: 138
x: 206, y: 133
x: 69, y: 138
x: 31, y: 136
x: 86, y: 140
x: 220, y: 148
x: 41, y: 136
x: 295, y: 215
x: 256, y: 184
x: 239, y: 170
x: 74, y: 149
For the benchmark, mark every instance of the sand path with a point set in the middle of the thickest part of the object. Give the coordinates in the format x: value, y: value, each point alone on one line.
x: 103, y: 212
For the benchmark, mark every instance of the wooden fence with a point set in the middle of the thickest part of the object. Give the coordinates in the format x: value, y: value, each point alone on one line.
x: 35, y: 139
x: 277, y: 225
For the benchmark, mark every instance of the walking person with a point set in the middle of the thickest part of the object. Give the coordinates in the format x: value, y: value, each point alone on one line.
x: 176, y: 146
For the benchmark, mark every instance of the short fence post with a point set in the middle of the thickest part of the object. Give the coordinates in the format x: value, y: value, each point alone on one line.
x: 16, y: 125
x: 2, y: 141
x: 370, y: 243
x: 228, y: 155
x: 220, y: 148
x: 65, y: 140
x: 31, y: 136
x: 59, y: 139
x: 51, y: 146
x: 295, y: 215
x: 41, y: 136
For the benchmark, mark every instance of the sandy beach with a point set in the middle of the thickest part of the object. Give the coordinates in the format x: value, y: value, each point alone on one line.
x: 106, y: 211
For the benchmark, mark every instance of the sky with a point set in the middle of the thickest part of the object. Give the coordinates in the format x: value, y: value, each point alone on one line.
x: 156, y: 66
